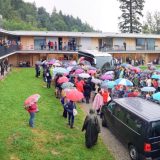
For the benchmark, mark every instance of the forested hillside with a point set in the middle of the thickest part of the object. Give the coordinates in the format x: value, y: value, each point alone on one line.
x: 19, y: 15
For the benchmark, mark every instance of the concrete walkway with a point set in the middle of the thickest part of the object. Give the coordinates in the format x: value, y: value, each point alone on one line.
x: 116, y: 148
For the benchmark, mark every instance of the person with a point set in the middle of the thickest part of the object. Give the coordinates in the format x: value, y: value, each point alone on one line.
x: 32, y: 109
x: 48, y: 78
x: 37, y: 68
x: 98, y: 101
x: 64, y: 102
x: 92, y: 127
x: 87, y: 91
x: 70, y: 105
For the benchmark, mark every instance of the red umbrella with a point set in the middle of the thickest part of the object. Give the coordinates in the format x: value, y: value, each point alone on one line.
x: 31, y: 99
x: 74, y: 95
x: 63, y: 79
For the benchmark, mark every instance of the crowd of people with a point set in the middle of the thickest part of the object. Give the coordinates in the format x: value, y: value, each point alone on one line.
x: 96, y: 88
x: 54, y: 45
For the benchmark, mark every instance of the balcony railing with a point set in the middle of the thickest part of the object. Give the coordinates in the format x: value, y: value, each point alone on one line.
x: 4, y: 50
x: 129, y: 48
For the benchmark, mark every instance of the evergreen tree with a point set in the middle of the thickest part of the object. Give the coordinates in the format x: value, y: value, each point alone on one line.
x: 131, y: 13
x: 152, y: 23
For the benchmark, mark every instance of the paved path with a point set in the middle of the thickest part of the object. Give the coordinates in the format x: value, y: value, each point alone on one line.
x: 112, y: 143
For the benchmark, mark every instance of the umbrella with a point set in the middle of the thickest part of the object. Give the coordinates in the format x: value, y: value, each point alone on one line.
x: 67, y: 85
x: 126, y: 65
x: 156, y: 96
x: 69, y: 68
x: 78, y: 71
x: 111, y: 84
x: 96, y: 81
x: 76, y: 67
x: 84, y: 62
x: 74, y: 95
x: 124, y: 82
x: 52, y: 61
x: 136, y: 69
x: 148, y: 89
x: 63, y: 79
x: 92, y: 72
x: 57, y: 64
x: 91, y: 67
x: 158, y: 71
x: 155, y: 76
x: 81, y: 59
x: 73, y: 63
x: 109, y: 73
x: 60, y: 70
x: 84, y: 75
x: 31, y: 99
x: 106, y: 77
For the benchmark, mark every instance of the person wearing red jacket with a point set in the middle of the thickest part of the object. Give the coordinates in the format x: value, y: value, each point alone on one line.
x: 32, y: 109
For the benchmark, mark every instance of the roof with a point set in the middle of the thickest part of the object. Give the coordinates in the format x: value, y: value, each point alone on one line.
x: 94, y: 53
x: 57, y: 34
x: 145, y: 109
x: 80, y: 34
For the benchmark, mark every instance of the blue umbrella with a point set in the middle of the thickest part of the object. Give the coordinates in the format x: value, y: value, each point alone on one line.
x: 111, y: 84
x: 156, y: 96
x: 155, y: 76
x: 67, y: 85
x: 124, y: 82
x: 148, y: 89
x: 104, y: 84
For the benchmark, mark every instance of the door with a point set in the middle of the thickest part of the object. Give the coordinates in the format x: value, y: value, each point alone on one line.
x: 60, y: 43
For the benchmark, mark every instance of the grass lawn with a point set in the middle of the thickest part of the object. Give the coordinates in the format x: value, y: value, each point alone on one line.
x: 51, y: 139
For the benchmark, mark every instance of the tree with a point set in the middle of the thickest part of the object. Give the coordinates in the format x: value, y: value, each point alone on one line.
x: 131, y: 13
x: 152, y: 23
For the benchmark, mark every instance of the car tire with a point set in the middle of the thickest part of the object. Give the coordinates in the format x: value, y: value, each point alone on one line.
x: 133, y: 152
x: 104, y: 124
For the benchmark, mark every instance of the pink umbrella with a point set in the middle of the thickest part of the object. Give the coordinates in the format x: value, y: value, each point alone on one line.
x: 74, y: 95
x: 81, y: 59
x: 136, y: 69
x: 78, y: 71
x: 92, y: 72
x: 63, y: 79
x: 106, y: 77
x: 31, y: 99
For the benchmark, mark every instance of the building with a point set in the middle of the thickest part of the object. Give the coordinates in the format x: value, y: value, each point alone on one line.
x: 31, y: 46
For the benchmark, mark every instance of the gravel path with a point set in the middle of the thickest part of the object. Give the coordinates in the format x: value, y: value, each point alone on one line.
x: 111, y: 142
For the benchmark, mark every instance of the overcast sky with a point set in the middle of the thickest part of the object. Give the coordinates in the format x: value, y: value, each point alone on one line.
x: 100, y: 14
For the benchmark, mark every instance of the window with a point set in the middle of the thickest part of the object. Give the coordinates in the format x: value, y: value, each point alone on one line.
x: 111, y: 106
x: 140, y: 43
x: 134, y: 122
x: 150, y: 44
x: 119, y: 112
x: 155, y: 129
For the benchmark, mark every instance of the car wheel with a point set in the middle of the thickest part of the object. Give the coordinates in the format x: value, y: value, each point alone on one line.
x: 133, y: 152
x: 104, y: 124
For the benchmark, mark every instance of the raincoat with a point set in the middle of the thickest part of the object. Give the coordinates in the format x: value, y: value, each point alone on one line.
x: 92, y: 128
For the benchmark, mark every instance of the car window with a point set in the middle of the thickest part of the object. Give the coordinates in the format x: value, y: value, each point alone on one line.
x: 155, y: 129
x: 119, y: 112
x: 134, y: 122
x: 111, y: 106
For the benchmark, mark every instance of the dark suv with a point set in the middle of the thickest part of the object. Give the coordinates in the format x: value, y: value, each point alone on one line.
x: 136, y: 122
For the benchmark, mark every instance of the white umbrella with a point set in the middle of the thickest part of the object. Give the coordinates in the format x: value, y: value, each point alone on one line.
x: 96, y: 81
x: 84, y: 75
x: 148, y: 89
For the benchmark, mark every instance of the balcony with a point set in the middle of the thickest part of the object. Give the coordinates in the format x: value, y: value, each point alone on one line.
x: 9, y: 49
